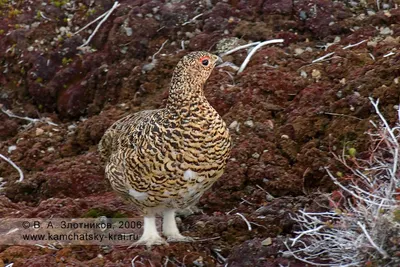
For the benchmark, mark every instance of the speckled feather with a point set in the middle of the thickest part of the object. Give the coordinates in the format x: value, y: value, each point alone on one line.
x: 167, y: 158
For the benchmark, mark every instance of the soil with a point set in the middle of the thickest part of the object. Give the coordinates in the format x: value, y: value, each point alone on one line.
x: 287, y: 113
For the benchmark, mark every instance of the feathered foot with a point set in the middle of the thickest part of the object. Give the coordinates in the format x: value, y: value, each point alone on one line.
x: 170, y: 229
x: 150, y: 236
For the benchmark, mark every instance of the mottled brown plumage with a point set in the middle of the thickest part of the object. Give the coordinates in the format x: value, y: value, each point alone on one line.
x: 163, y: 160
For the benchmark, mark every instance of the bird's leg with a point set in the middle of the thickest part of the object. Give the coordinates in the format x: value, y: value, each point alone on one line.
x: 170, y: 229
x: 150, y: 234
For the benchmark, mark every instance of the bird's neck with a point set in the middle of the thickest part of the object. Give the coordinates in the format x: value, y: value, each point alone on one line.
x: 183, y: 94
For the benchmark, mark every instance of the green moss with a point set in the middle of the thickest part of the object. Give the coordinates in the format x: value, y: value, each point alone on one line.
x: 396, y: 216
x: 90, y: 11
x: 59, y: 3
x: 38, y: 16
x: 65, y: 61
x: 95, y: 213
x: 3, y: 3
x: 119, y: 215
x: 83, y: 7
x: 14, y: 12
x: 352, y: 152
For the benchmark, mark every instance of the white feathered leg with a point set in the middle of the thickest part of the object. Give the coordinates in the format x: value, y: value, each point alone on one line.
x: 150, y: 234
x: 170, y: 229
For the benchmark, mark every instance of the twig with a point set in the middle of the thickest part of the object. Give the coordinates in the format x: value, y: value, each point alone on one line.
x: 228, y: 64
x: 359, y: 228
x: 207, y: 239
x: 294, y: 240
x: 21, y: 174
x: 49, y: 246
x: 90, y: 23
x: 2, y: 183
x: 323, y: 57
x: 133, y: 260
x: 12, y: 115
x: 394, y: 139
x: 271, y: 196
x: 344, y: 188
x: 261, y: 188
x: 341, y: 115
x: 166, y: 261
x: 230, y: 211
x: 389, y: 54
x: 294, y: 254
x: 247, y: 59
x: 219, y: 256
x: 193, y: 19
x: 12, y: 231
x: 259, y: 225
x: 353, y: 45
x: 152, y: 64
x: 107, y: 14
x: 43, y: 16
x: 372, y: 56
x: 246, y: 201
x: 380, y: 250
x: 245, y: 220
x: 238, y: 48
x: 159, y: 50
x: 322, y: 60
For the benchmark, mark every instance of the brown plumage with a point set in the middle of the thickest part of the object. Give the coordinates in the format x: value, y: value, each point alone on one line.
x: 163, y: 160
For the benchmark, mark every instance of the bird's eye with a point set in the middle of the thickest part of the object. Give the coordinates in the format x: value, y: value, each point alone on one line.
x: 205, y: 62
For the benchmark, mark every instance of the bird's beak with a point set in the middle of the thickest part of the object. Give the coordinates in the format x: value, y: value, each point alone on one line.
x: 218, y: 60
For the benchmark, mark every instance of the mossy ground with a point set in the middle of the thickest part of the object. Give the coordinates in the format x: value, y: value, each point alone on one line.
x: 287, y: 114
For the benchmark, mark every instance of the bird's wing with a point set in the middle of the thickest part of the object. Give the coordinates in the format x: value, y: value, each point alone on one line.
x: 132, y: 152
x: 120, y: 131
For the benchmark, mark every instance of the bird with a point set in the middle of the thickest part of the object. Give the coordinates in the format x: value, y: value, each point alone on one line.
x: 164, y: 160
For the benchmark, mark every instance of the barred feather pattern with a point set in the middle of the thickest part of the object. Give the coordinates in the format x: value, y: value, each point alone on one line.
x: 167, y: 158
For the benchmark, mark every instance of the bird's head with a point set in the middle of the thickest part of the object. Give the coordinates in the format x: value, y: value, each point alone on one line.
x: 195, y: 67
x: 190, y: 75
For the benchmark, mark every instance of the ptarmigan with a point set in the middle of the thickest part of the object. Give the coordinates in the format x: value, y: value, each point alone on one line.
x: 163, y: 160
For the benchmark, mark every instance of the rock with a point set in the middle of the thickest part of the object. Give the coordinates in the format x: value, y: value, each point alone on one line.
x: 298, y: 51
x: 39, y: 131
x: 386, y: 31
x: 316, y: 74
x: 233, y: 125
x: 266, y: 242
x: 11, y: 149
x: 249, y: 123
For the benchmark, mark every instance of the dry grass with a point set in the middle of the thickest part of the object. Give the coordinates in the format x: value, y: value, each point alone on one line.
x: 363, y: 225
